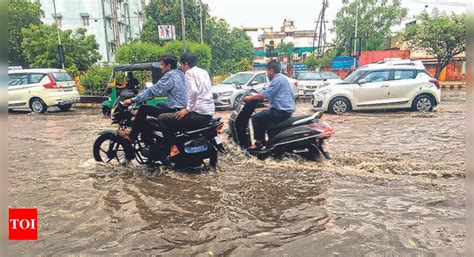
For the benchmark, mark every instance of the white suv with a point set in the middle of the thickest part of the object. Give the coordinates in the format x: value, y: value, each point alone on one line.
x: 38, y: 89
x: 384, y: 85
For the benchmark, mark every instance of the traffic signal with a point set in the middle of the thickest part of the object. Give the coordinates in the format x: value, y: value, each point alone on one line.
x: 271, y: 50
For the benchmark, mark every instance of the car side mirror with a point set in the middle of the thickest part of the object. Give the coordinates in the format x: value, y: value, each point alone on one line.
x: 253, y: 83
x: 362, y: 81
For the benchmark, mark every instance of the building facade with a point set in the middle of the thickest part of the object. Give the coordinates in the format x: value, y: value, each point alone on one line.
x: 287, y: 34
x: 112, y: 22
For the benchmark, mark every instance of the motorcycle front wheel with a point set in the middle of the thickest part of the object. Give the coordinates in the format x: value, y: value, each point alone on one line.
x: 109, y: 148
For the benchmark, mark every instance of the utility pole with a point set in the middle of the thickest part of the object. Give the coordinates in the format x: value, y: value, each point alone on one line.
x: 60, y: 47
x: 183, y: 26
x: 200, y: 15
x: 355, y: 33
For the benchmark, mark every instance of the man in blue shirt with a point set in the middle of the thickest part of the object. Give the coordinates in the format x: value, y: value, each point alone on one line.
x: 280, y: 96
x: 170, y: 85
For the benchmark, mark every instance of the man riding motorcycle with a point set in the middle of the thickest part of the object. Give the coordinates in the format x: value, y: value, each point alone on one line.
x: 280, y: 96
x: 171, y: 85
x: 200, y: 103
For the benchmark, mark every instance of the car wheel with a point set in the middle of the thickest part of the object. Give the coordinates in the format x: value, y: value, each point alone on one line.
x: 106, y: 110
x: 238, y: 100
x: 339, y: 106
x: 423, y: 103
x: 65, y: 107
x: 37, y: 105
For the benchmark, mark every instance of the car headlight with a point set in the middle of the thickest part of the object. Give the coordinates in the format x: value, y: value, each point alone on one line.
x: 226, y: 93
x: 323, y: 92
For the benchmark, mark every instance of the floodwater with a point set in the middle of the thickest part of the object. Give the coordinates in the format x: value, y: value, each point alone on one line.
x: 395, y: 186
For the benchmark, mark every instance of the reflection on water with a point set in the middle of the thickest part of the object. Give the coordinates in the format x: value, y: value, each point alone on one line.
x: 395, y: 186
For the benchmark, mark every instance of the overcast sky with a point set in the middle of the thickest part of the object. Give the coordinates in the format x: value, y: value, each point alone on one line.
x: 267, y: 13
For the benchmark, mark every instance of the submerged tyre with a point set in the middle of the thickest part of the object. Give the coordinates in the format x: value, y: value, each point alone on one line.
x: 314, y: 154
x: 109, y: 147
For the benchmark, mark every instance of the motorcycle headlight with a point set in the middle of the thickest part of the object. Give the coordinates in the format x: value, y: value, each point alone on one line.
x: 226, y: 93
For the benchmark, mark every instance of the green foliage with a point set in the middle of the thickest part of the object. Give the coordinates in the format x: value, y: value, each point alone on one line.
x: 73, y: 71
x: 138, y: 52
x: 441, y: 36
x: 202, y: 51
x: 285, y: 48
x: 375, y: 18
x: 96, y: 78
x: 227, y: 45
x: 40, y: 47
x: 311, y: 62
x: 168, y: 12
x: 21, y: 14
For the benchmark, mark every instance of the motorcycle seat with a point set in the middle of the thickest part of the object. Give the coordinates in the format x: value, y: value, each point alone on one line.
x: 289, y: 122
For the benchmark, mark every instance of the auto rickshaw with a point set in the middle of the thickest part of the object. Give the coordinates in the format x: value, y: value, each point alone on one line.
x: 112, y: 85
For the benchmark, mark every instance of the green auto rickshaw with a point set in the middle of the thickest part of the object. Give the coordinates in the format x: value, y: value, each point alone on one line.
x: 150, y: 73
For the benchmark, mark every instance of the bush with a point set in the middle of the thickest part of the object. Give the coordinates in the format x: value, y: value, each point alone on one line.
x: 202, y: 51
x: 96, y: 78
x: 138, y: 52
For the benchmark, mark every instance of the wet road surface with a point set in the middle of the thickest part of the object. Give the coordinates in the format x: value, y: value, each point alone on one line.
x: 395, y: 186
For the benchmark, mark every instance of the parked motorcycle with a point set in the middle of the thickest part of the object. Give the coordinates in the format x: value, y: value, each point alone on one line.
x: 195, y: 146
x: 306, y: 136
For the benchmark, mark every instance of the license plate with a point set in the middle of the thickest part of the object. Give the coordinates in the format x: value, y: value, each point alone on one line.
x: 67, y: 89
x: 218, y: 139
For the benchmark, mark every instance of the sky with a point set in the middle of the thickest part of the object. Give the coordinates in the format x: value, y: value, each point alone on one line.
x: 267, y: 13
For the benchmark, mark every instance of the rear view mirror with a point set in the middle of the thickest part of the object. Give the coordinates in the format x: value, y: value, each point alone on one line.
x: 253, y: 83
x: 362, y: 81
x: 148, y: 84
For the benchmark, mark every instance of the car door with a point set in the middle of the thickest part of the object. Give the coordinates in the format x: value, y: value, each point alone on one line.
x: 373, y: 92
x: 17, y: 90
x: 403, y: 87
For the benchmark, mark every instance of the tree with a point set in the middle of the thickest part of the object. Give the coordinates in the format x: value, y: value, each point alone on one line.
x: 441, y: 36
x: 40, y: 47
x: 229, y: 46
x: 313, y: 61
x: 22, y: 14
x: 375, y: 18
x: 202, y: 51
x: 168, y: 12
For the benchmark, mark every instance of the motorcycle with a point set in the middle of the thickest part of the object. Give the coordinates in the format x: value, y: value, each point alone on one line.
x: 195, y: 146
x: 306, y: 136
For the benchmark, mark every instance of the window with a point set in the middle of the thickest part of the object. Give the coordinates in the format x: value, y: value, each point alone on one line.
x: 61, y: 76
x: 329, y: 75
x: 309, y: 76
x: 238, y: 79
x: 17, y: 79
x: 260, y: 78
x: 377, y: 76
x: 85, y: 20
x: 36, y: 77
x: 404, y: 74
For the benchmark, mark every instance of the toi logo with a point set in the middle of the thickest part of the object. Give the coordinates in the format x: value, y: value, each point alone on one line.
x: 22, y: 224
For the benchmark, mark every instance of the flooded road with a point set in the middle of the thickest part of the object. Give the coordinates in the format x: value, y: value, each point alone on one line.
x: 395, y: 186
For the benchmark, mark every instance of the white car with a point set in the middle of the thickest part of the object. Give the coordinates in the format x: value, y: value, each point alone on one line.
x: 230, y: 92
x: 384, y: 85
x: 310, y: 81
x: 38, y: 89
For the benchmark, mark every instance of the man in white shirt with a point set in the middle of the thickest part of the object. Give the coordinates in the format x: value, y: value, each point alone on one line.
x: 200, y: 106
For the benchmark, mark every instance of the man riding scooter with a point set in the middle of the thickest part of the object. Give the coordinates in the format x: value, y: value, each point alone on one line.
x: 280, y: 96
x: 171, y: 85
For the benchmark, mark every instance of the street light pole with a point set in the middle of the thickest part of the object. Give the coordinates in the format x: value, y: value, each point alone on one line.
x: 57, y: 30
x: 183, y: 26
x: 200, y: 16
x: 355, y: 33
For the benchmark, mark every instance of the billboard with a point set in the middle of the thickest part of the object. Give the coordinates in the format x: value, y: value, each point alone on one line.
x: 166, y: 32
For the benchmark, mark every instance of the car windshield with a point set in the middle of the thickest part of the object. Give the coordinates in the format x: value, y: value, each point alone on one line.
x: 238, y: 79
x: 354, y: 76
x: 61, y: 76
x: 309, y: 76
x: 329, y: 75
